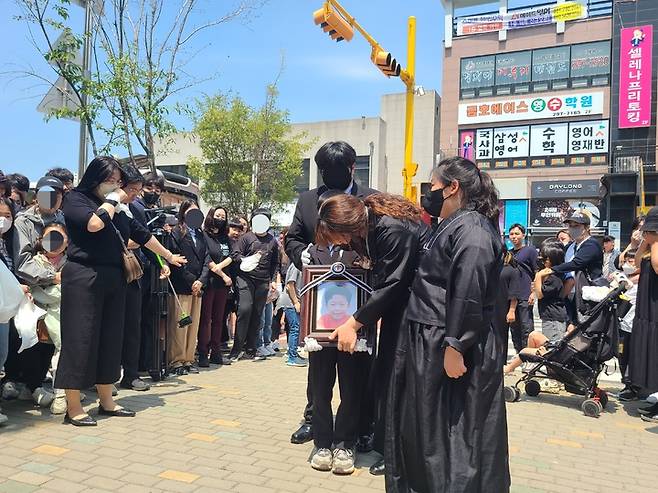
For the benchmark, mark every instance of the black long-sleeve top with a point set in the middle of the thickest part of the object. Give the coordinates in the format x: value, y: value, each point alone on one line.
x: 218, y: 249
x: 588, y: 259
x: 196, y: 268
x: 393, y: 246
x: 249, y: 244
x: 458, y: 278
x: 102, y: 247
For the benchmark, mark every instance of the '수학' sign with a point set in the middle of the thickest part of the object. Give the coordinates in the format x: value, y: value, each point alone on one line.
x: 635, y: 76
x: 531, y: 108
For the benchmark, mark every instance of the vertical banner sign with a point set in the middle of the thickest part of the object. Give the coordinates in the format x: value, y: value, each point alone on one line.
x: 467, y: 144
x: 635, y: 76
x: 484, y: 142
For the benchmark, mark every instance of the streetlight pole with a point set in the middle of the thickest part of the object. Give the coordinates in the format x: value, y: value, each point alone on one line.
x: 86, y: 63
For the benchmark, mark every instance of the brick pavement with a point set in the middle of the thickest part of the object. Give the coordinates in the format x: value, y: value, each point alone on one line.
x: 228, y: 429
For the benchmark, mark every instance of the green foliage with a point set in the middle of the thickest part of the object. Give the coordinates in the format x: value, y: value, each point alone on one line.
x: 249, y: 159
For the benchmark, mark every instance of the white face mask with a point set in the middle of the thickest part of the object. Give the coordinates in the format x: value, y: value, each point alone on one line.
x: 105, y: 188
x: 628, y: 269
x: 5, y: 224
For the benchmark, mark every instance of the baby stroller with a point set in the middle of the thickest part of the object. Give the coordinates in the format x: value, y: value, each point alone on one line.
x: 578, y: 358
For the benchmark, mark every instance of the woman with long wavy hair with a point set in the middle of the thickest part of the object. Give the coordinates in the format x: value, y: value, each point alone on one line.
x: 386, y: 231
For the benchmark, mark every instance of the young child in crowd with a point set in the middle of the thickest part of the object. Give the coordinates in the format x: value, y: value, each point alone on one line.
x: 548, y: 288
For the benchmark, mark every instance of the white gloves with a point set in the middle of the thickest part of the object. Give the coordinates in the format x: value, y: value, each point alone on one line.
x: 113, y: 196
x: 251, y: 262
x: 306, y: 255
x: 124, y: 208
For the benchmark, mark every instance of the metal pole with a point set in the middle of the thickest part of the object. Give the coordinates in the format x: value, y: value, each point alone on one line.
x: 409, y: 170
x: 86, y: 63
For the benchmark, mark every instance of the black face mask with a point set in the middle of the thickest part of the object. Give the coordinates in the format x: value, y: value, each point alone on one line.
x: 433, y: 202
x: 220, y: 224
x: 337, y: 178
x: 151, y: 198
x: 540, y: 263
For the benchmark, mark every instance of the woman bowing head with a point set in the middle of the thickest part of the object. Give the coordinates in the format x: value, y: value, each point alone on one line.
x: 446, y: 426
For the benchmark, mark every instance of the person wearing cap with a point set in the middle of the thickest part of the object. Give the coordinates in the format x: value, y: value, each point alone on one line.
x: 587, y: 252
x: 643, y: 364
x: 256, y: 255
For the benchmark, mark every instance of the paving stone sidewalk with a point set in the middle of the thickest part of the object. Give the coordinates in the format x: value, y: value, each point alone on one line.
x: 228, y: 430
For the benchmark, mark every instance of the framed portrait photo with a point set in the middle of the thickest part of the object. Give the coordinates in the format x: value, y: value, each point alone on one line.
x: 331, y: 294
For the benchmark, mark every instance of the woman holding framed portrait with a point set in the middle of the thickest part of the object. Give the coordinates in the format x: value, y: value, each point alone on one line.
x: 446, y: 427
x: 386, y: 230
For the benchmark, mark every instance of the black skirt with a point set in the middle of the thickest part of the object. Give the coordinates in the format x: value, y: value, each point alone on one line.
x: 443, y: 434
x: 92, y: 318
x: 643, y: 357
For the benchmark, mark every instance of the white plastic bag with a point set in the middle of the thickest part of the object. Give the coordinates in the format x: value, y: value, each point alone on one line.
x: 26, y: 323
x: 11, y: 294
x: 251, y: 262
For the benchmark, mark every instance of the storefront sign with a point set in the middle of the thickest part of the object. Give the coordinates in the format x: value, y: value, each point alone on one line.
x: 588, y: 137
x: 484, y: 143
x: 564, y: 188
x: 590, y: 59
x: 518, y: 19
x: 550, y: 63
x: 510, y: 142
x: 478, y: 72
x: 549, y: 140
x: 512, y: 68
x: 551, y: 213
x: 531, y: 108
x: 467, y: 139
x: 635, y: 76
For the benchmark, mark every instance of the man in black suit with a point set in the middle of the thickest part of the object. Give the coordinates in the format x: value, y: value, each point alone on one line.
x: 336, y: 163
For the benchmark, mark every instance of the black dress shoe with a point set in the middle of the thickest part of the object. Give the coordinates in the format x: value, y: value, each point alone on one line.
x: 650, y: 418
x: 378, y: 468
x: 204, y: 362
x: 648, y: 411
x: 365, y: 444
x: 119, y: 413
x: 86, y: 421
x: 303, y: 434
x: 219, y: 359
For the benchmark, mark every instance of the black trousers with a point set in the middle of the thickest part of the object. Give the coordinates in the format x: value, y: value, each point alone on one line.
x: 92, y: 314
x: 132, y: 332
x: 380, y: 380
x: 625, y: 356
x: 522, y: 326
x: 252, y: 296
x: 29, y: 366
x: 351, y: 382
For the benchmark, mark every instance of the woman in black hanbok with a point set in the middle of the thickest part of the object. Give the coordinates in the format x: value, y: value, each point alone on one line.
x: 446, y: 428
x: 387, y: 231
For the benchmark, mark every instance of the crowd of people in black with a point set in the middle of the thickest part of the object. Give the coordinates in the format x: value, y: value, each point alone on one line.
x: 426, y: 393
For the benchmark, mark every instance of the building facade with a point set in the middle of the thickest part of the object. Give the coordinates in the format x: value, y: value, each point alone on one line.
x: 378, y: 142
x: 532, y: 106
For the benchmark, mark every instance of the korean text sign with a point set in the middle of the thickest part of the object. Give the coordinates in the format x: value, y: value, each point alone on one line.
x: 635, y: 76
x: 531, y: 108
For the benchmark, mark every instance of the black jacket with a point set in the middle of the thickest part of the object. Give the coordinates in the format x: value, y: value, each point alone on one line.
x: 588, y: 259
x: 302, y: 229
x: 250, y: 244
x: 197, y: 257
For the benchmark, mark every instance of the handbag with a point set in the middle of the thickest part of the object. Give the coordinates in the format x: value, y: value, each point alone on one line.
x: 132, y: 269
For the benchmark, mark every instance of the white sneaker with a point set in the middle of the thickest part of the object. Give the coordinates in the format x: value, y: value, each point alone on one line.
x: 652, y: 398
x: 343, y: 461
x: 270, y: 350
x: 10, y: 391
x: 261, y: 352
x: 3, y: 419
x: 322, y: 460
x: 58, y: 405
x: 42, y: 397
x: 275, y: 346
x: 25, y: 394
